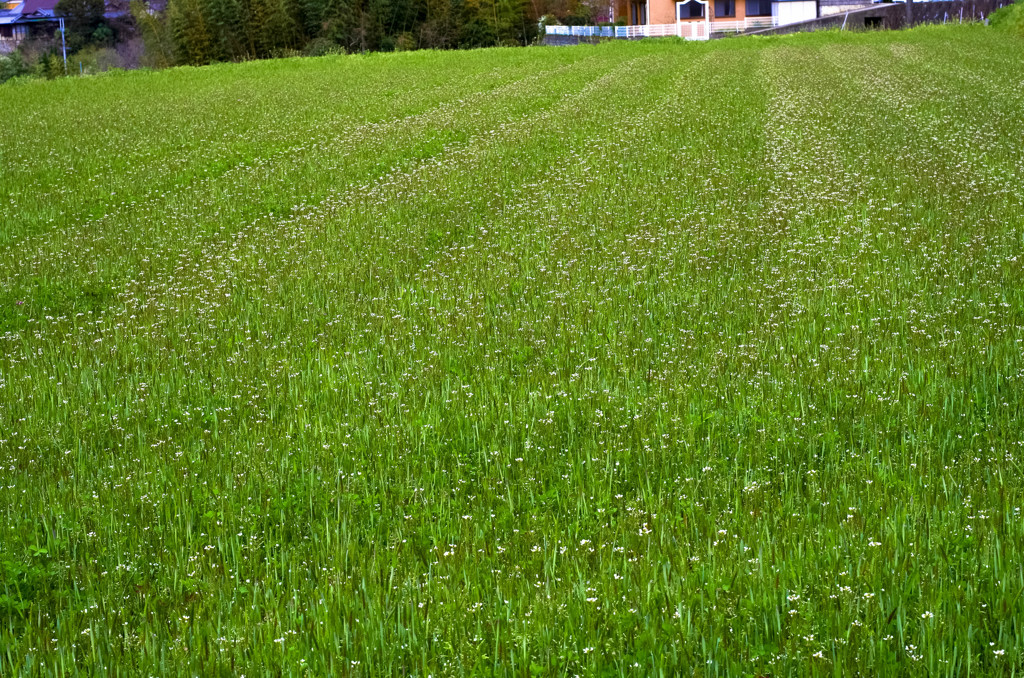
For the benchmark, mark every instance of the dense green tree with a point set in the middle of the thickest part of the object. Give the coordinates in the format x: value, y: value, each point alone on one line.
x: 475, y: 28
x: 272, y: 25
x: 227, y: 23
x: 318, y: 15
x: 281, y: 30
x: 440, y: 26
x: 504, y: 18
x: 210, y: 30
x: 191, y: 28
x: 156, y: 35
x: 11, y: 66
x: 82, y: 19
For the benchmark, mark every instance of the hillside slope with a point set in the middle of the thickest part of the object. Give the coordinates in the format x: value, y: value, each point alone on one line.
x: 612, y: 360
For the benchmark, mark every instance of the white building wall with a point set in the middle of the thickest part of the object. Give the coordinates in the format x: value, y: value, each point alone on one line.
x: 791, y: 12
x: 840, y: 8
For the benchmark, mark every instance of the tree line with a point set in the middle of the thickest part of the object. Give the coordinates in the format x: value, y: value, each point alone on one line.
x: 203, y: 31
x: 104, y: 34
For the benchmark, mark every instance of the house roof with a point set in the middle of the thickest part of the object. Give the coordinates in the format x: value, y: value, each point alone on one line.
x: 34, y: 11
x: 10, y: 11
x: 44, y: 7
x: 42, y: 10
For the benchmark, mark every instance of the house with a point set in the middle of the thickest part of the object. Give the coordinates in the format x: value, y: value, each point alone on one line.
x: 24, y: 19
x: 699, y: 19
x: 11, y: 33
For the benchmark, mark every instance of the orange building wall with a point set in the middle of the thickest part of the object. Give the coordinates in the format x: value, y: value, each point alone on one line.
x: 663, y: 11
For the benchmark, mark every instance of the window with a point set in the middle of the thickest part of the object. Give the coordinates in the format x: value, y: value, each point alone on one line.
x: 639, y: 13
x: 759, y: 7
x: 691, y: 10
x: 724, y: 8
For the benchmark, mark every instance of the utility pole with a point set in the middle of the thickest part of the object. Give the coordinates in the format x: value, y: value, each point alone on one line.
x: 63, y: 45
x: 910, y: 12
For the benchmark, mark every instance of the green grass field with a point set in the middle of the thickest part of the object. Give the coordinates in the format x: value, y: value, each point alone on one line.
x: 628, y: 360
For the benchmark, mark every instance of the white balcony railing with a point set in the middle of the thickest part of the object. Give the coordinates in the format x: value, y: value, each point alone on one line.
x: 647, y: 31
x: 751, y: 23
x: 688, y: 30
x: 742, y: 25
x: 582, y: 31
